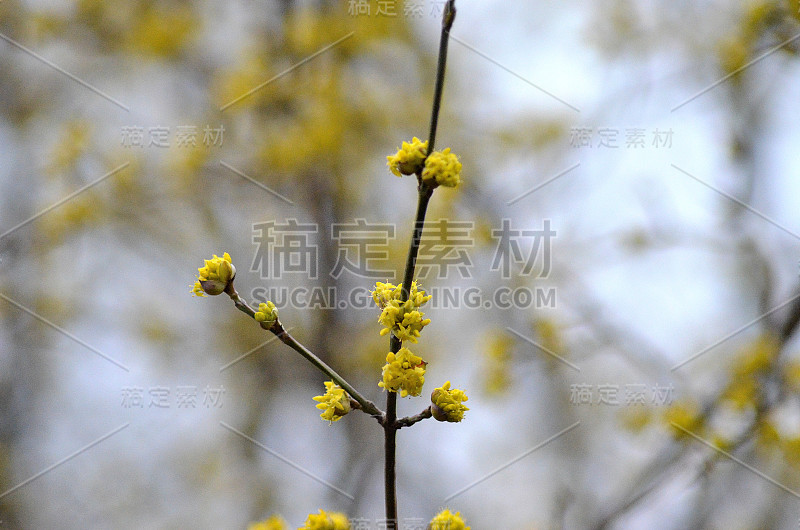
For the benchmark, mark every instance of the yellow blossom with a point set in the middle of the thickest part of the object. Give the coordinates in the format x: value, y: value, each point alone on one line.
x: 757, y: 357
x: 742, y: 393
x: 767, y: 434
x: 721, y: 441
x: 335, y: 403
x: 409, y: 159
x: 403, y: 319
x: 214, y: 276
x: 791, y: 449
x: 445, y: 520
x: 755, y: 360
x: 550, y: 338
x: 635, y: 419
x: 447, y: 403
x: 791, y: 376
x: 326, y: 521
x: 276, y: 522
x: 267, y: 313
x: 682, y: 417
x: 403, y: 372
x: 497, y: 368
x: 162, y: 32
x: 73, y: 144
x: 443, y: 169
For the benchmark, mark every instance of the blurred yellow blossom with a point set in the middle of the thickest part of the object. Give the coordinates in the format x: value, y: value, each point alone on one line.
x: 767, y: 434
x: 83, y: 211
x: 309, y: 30
x: 162, y: 32
x: 549, y: 336
x: 791, y: 376
x: 791, y: 449
x: 497, y: 370
x: 635, y: 419
x: 275, y: 522
x: 72, y: 144
x: 326, y: 521
x: 741, y: 392
x: 682, y: 416
x: 758, y: 356
x: 752, y: 363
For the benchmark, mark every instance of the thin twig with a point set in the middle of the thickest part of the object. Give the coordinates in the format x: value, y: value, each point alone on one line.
x: 278, y: 329
x: 366, y: 405
x: 411, y: 420
x: 447, y: 23
x: 391, y: 425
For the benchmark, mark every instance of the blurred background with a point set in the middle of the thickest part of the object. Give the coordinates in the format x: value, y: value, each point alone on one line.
x: 615, y: 283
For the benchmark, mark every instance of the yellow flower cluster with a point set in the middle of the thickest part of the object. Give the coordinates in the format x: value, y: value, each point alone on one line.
x: 335, y: 403
x: 748, y: 370
x: 741, y: 43
x: 447, y: 403
x: 267, y: 313
x: 214, y: 276
x: 442, y: 168
x: 791, y: 376
x: 403, y: 319
x: 326, y: 521
x: 163, y: 31
x: 409, y: 159
x: 276, y: 522
x: 72, y: 145
x: 403, y: 372
x: 683, y: 416
x: 83, y: 212
x: 497, y: 366
x: 445, y: 520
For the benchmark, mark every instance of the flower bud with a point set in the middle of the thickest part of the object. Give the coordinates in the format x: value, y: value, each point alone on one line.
x: 267, y: 313
x: 409, y: 159
x: 215, y: 276
x: 446, y: 404
x: 446, y: 520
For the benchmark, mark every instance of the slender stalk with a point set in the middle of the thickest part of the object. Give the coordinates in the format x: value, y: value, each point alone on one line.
x: 278, y: 329
x: 389, y: 465
x: 366, y: 405
x: 425, y: 194
x: 444, y: 39
x: 391, y: 425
